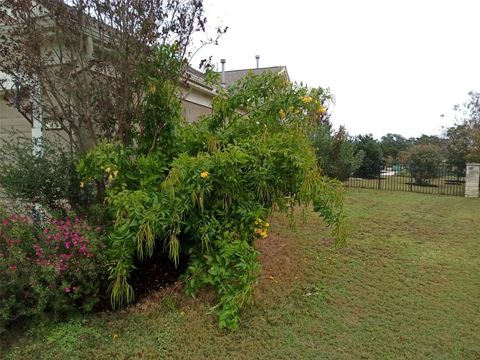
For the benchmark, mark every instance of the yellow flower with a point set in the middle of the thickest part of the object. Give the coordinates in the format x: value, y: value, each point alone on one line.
x: 110, y: 177
x: 321, y: 110
x: 261, y: 232
x: 306, y: 99
x: 82, y: 184
x: 258, y: 221
x: 107, y: 170
x: 204, y: 174
x: 151, y: 88
x: 282, y: 114
x: 267, y: 225
x: 115, y: 173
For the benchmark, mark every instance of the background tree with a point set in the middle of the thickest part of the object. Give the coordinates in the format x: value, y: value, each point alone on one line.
x: 423, y: 162
x: 85, y: 58
x: 373, y: 155
x: 459, y: 146
x: 463, y: 139
x: 336, y: 152
x: 470, y: 110
x: 392, y: 146
x: 429, y: 140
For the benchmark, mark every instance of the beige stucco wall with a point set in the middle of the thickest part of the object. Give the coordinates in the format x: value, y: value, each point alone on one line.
x: 195, y: 104
x: 10, y: 119
x: 194, y: 111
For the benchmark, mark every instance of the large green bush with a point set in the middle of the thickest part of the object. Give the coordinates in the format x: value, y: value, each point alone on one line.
x: 210, y: 194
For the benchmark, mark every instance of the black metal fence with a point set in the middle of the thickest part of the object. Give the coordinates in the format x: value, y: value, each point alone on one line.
x: 441, y: 179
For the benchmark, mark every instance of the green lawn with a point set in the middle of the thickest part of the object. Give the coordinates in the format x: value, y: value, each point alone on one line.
x: 406, y: 286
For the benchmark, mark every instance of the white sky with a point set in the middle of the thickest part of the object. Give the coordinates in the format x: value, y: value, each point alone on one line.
x: 394, y: 66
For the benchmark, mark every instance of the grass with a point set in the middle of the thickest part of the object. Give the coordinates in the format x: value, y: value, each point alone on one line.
x: 406, y: 286
x: 442, y: 185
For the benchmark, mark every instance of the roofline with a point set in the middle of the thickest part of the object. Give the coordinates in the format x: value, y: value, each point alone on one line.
x: 283, y: 67
x: 198, y: 84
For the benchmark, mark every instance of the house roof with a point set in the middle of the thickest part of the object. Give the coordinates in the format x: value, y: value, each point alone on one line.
x: 231, y: 77
x: 196, y: 79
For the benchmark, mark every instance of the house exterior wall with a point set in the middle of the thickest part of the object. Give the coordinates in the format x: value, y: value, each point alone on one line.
x: 193, y: 112
x: 10, y: 119
x: 195, y: 104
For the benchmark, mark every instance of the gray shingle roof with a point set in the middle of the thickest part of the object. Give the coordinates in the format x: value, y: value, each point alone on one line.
x: 231, y: 77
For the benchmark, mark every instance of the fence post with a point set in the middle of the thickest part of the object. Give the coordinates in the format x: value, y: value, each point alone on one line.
x: 410, y: 184
x: 472, y: 180
x: 379, y: 177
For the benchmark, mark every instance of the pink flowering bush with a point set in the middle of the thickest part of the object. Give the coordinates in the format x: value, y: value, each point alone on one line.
x: 57, y: 268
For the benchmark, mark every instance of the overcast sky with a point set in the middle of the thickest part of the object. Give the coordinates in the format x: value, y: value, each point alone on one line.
x: 394, y: 66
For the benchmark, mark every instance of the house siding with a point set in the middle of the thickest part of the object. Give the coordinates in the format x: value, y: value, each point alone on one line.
x: 11, y: 119
x: 193, y: 112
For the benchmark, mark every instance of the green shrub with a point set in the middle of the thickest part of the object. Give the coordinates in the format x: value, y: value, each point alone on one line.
x: 49, y: 179
x: 228, y: 172
x: 230, y: 266
x: 423, y: 162
x: 56, y: 269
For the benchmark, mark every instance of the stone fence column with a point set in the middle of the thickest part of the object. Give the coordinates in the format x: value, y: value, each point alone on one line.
x: 472, y: 181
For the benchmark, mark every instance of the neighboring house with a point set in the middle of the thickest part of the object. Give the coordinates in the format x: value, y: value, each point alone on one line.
x: 75, y: 59
x: 195, y: 94
x: 10, y: 118
x: 196, y: 97
x: 232, y: 76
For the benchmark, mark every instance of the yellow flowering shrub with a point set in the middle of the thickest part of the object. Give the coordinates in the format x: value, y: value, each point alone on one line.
x: 306, y: 99
x: 261, y: 159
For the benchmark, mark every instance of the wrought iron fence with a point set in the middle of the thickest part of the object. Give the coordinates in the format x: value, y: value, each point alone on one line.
x: 440, y: 179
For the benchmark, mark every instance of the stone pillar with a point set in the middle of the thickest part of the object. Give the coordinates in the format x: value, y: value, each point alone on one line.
x: 472, y: 181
